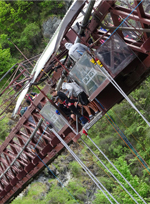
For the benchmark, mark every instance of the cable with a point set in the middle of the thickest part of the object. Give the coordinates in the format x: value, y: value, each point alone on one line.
x: 108, y: 76
x: 123, y: 137
x: 56, y: 178
x: 95, y: 180
x: 142, y: 161
x: 76, y: 133
x: 114, y: 83
x: 102, y: 169
x: 131, y: 133
x: 108, y: 169
x: 123, y: 22
x: 115, y: 168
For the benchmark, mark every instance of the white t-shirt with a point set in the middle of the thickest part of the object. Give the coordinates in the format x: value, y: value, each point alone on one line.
x: 77, y: 50
x: 72, y: 88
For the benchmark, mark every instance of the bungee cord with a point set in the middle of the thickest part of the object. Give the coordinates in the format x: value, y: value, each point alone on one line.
x: 115, y: 168
x: 91, y: 175
x: 131, y: 134
x: 129, y: 145
x: 124, y: 138
x: 104, y: 171
x: 123, y: 21
x: 108, y: 170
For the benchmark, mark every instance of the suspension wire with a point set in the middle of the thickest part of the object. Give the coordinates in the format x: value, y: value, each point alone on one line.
x: 114, y: 83
x: 72, y: 128
x: 108, y: 170
x: 141, y: 63
x: 131, y: 134
x: 115, y: 168
x: 91, y: 175
x: 123, y: 137
x: 105, y: 172
x: 123, y: 21
x: 48, y: 167
x: 56, y: 177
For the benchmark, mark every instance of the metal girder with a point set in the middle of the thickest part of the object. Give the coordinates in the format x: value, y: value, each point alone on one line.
x: 118, y: 11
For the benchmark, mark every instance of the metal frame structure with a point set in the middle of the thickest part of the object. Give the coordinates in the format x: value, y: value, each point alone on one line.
x: 24, y: 167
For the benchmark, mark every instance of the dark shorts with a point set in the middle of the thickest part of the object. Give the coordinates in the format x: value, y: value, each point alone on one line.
x: 83, y: 99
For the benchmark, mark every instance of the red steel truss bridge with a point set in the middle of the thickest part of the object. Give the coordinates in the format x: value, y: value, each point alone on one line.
x: 118, y: 36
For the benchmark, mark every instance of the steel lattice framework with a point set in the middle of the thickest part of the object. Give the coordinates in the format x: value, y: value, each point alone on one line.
x: 18, y: 170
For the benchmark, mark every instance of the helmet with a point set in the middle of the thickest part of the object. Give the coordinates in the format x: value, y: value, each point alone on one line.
x: 68, y: 45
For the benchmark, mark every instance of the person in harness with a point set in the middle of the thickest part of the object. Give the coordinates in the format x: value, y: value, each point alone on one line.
x: 75, y: 91
x: 69, y: 103
x: 76, y: 50
x: 30, y: 97
x: 64, y: 109
x: 21, y: 111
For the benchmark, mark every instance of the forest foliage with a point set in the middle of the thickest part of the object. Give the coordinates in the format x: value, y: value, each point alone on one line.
x: 21, y: 24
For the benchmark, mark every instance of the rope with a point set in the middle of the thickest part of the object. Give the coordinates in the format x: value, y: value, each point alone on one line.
x: 115, y: 168
x: 114, y: 83
x: 123, y: 137
x: 108, y: 170
x: 132, y: 134
x: 48, y: 167
x: 123, y: 22
x: 81, y: 139
x: 56, y: 177
x: 91, y: 175
x: 108, y: 76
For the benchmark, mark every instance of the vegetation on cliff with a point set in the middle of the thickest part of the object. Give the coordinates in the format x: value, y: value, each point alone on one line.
x: 21, y: 22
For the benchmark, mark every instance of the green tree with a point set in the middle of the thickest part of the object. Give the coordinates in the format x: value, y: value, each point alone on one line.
x: 6, y: 61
